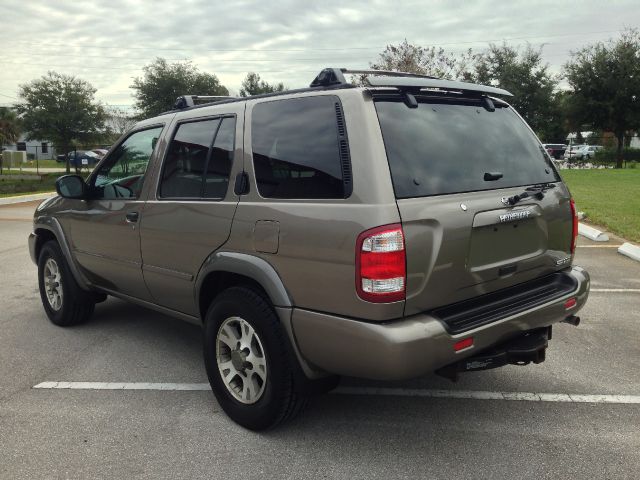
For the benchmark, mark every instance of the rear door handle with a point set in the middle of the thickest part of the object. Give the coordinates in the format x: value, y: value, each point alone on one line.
x: 132, y: 217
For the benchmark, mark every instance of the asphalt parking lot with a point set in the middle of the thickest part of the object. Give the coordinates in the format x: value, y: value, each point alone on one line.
x: 491, y: 424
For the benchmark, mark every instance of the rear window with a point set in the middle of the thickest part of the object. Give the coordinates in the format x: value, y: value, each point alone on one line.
x: 444, y: 147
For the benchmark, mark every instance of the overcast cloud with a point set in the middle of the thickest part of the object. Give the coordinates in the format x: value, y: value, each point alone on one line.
x: 108, y: 42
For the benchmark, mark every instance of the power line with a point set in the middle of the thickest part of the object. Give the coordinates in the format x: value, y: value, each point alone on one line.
x: 67, y: 66
x: 140, y: 68
x: 221, y: 60
x: 306, y: 49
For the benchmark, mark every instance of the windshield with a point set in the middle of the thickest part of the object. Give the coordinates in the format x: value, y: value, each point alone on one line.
x: 446, y: 147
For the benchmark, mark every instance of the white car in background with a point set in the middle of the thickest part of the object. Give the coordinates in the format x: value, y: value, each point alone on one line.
x: 582, y: 152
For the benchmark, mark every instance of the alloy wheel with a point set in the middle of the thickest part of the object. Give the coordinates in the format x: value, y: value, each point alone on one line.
x: 241, y: 359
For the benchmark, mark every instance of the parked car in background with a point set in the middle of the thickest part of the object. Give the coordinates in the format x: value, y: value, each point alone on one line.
x: 80, y: 158
x: 571, y: 151
x: 588, y: 152
x: 556, y: 150
x: 101, y: 152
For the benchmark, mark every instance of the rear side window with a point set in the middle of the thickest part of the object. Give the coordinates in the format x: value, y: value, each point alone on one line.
x: 300, y: 148
x: 440, y: 148
x: 198, y: 160
x: 219, y: 166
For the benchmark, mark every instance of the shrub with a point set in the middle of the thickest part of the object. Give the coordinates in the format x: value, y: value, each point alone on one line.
x: 609, y: 155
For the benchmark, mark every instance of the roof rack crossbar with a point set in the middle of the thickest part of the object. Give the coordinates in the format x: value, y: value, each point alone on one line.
x: 186, y: 101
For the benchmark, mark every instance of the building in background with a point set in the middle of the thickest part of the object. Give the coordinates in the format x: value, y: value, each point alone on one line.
x: 36, y: 149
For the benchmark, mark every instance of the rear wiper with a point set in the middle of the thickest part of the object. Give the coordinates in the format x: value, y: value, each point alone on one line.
x: 536, y: 191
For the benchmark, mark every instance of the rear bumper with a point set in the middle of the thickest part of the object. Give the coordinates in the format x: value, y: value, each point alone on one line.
x: 416, y: 345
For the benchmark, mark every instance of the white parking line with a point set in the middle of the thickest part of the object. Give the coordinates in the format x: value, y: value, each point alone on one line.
x: 482, y: 395
x: 615, y: 290
x: 598, y: 246
x: 123, y: 386
x: 372, y: 391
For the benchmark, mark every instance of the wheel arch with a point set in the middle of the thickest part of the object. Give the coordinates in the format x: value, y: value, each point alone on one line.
x: 226, y: 269
x: 49, y: 228
x: 43, y: 235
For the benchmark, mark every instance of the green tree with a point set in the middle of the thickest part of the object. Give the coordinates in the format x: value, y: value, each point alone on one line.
x: 118, y: 122
x: 254, y: 85
x: 432, y: 61
x: 522, y: 73
x: 605, y: 80
x: 60, y: 108
x: 164, y: 82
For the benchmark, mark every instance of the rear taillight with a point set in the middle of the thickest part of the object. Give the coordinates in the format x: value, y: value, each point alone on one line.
x: 381, y: 270
x: 574, y: 235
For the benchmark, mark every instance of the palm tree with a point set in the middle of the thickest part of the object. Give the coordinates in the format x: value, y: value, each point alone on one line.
x: 9, y: 127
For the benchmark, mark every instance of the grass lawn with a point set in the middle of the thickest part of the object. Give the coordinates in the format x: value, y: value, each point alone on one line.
x: 40, y: 164
x: 610, y: 198
x: 11, y: 187
x: 45, y: 164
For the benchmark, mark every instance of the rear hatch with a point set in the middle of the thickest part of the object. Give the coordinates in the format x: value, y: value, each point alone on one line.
x: 454, y: 165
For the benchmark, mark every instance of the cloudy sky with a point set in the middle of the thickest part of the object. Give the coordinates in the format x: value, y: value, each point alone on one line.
x: 108, y: 42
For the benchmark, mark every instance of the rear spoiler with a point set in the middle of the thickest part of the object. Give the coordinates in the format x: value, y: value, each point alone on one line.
x: 403, y: 81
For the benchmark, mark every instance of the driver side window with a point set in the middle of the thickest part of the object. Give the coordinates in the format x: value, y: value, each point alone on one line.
x: 122, y: 175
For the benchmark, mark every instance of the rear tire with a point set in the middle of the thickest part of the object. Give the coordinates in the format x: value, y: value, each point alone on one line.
x: 247, y: 360
x: 64, y: 302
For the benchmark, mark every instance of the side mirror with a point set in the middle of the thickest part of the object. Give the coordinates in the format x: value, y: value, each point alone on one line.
x: 71, y: 186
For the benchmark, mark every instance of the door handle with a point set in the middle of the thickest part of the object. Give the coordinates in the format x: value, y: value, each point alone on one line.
x: 132, y: 217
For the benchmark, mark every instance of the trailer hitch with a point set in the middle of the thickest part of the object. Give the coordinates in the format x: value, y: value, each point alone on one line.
x: 522, y: 350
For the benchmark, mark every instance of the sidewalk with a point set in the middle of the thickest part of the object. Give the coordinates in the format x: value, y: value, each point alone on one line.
x: 26, y: 198
x: 41, y: 170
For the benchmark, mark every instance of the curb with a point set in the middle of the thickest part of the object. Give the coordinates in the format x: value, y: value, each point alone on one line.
x: 629, y: 250
x: 592, y: 233
x: 26, y: 198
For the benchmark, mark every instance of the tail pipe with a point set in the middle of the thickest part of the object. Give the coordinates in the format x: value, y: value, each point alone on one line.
x: 572, y: 320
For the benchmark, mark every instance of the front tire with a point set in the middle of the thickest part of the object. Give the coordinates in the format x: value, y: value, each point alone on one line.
x: 64, y: 302
x: 247, y: 360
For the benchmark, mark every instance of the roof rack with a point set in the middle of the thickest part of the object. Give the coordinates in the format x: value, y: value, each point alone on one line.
x: 406, y: 82
x: 186, y: 101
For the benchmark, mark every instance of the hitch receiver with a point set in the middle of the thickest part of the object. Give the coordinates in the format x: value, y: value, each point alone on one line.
x: 522, y: 350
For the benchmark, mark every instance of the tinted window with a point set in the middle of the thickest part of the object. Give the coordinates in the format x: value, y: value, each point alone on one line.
x: 219, y: 167
x: 296, y: 150
x: 186, y: 160
x: 122, y: 174
x: 441, y: 148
